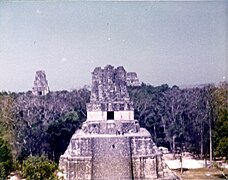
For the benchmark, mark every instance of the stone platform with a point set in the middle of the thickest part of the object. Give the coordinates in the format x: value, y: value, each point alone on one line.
x: 111, y: 156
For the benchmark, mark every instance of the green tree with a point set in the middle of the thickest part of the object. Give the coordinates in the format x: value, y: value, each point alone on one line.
x: 175, y: 117
x: 34, y: 116
x: 5, y: 159
x: 220, y: 102
x: 59, y: 133
x: 6, y: 118
x: 222, y: 147
x: 38, y: 168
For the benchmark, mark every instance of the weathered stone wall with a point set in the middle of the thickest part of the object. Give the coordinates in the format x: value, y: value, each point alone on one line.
x: 142, y: 145
x: 111, y: 158
x: 99, y: 156
x: 111, y: 106
x: 76, y: 168
x: 96, y: 115
x: 91, y: 156
x: 144, y: 167
x: 109, y: 90
x: 76, y: 162
x: 110, y: 127
x: 81, y: 147
x: 144, y: 158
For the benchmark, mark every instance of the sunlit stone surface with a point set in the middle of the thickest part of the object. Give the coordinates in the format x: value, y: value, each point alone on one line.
x: 111, y: 145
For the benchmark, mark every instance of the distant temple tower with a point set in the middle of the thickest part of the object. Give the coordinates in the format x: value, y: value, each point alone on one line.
x: 132, y: 79
x: 40, y: 86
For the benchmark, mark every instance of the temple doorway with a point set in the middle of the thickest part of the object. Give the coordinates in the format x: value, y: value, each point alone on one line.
x: 110, y: 115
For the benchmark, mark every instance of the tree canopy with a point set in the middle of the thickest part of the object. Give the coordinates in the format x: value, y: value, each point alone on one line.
x: 176, y: 118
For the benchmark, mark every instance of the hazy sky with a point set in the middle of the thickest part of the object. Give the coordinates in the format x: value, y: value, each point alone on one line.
x: 164, y: 42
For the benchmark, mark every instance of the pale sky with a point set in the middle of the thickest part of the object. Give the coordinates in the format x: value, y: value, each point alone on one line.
x: 178, y: 43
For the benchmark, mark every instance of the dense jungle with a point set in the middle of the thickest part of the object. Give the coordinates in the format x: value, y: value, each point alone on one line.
x: 177, y: 118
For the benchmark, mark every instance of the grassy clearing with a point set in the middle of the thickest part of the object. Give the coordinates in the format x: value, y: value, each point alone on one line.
x: 203, y: 174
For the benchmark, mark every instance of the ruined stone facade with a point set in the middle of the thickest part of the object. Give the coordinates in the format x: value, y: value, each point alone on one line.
x: 132, y: 79
x: 40, y: 86
x: 109, y: 97
x: 111, y: 145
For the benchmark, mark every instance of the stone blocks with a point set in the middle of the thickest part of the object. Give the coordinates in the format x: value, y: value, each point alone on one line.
x: 117, y: 157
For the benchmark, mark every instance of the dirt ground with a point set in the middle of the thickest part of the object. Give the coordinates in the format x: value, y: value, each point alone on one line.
x: 203, y: 174
x: 194, y: 169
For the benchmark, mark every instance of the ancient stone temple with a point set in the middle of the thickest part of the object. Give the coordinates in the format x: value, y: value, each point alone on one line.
x: 40, y: 86
x: 111, y: 144
x: 132, y: 79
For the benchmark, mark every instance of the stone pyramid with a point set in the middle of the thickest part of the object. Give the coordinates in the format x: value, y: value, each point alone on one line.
x: 111, y: 144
